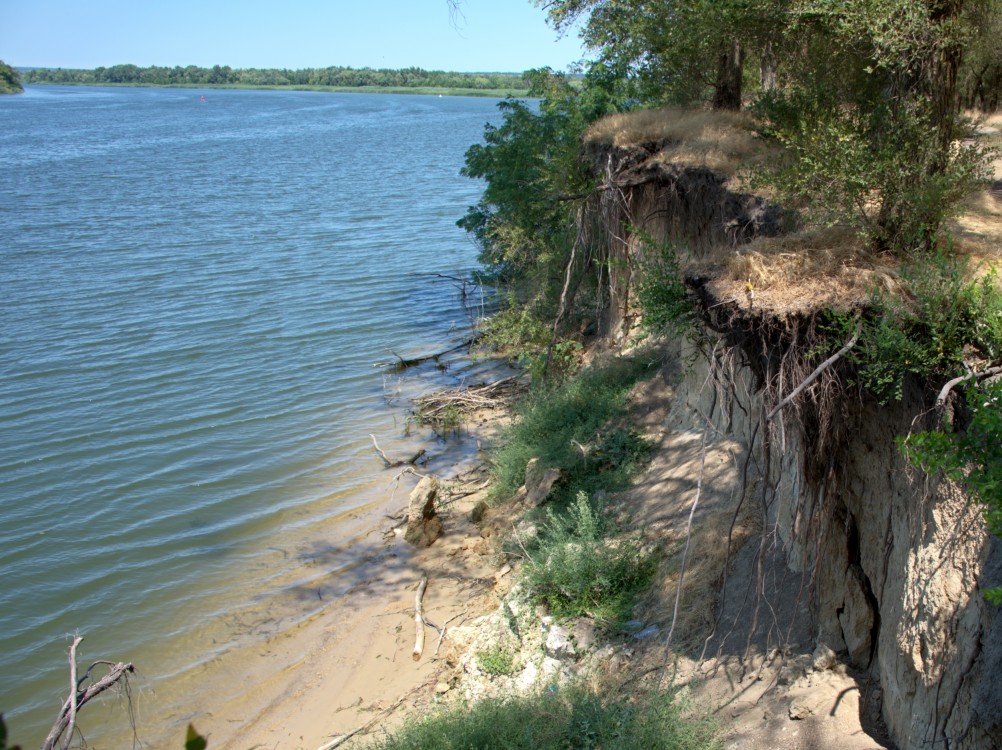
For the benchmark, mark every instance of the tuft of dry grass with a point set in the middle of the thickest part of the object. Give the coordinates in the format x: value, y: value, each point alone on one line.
x: 722, y: 141
x: 830, y: 268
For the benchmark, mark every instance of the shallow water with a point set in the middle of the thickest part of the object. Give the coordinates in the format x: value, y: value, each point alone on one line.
x: 194, y: 294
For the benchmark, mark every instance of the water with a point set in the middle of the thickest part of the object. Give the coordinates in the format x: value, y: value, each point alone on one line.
x: 193, y: 295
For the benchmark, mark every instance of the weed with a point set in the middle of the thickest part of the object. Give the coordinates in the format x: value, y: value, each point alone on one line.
x: 556, y: 720
x: 576, y: 571
x: 496, y: 660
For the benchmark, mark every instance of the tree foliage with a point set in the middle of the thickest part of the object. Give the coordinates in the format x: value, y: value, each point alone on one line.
x: 10, y: 82
x: 334, y: 76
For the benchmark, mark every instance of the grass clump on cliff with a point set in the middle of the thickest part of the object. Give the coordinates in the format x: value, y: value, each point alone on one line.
x: 578, y: 569
x: 556, y: 720
x: 570, y: 426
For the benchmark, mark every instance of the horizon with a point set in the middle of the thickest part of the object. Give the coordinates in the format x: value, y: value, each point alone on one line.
x: 485, y: 36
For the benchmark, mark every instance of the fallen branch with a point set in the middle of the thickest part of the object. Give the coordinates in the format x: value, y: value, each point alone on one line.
x: 404, y: 364
x: 445, y: 627
x: 365, y: 727
x: 951, y: 384
x: 814, y: 375
x: 78, y: 697
x: 391, y: 463
x: 419, y: 619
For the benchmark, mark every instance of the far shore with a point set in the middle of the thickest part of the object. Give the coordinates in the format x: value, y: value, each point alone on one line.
x: 418, y: 90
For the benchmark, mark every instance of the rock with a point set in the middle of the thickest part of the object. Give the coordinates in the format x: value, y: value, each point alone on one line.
x: 633, y: 626
x: 442, y: 687
x: 584, y: 635
x: 648, y: 632
x: 529, y: 675
x: 477, y: 514
x: 559, y: 644
x: 856, y: 619
x: 823, y: 658
x: 539, y: 482
x: 799, y: 711
x: 423, y: 526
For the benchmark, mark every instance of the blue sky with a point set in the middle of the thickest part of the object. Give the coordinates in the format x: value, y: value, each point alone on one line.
x: 490, y: 35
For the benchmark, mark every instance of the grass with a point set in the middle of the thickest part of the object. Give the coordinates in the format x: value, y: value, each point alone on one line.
x: 569, y: 427
x: 722, y: 141
x: 558, y: 720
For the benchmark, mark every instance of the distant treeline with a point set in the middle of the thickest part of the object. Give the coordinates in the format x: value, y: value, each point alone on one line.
x: 192, y: 75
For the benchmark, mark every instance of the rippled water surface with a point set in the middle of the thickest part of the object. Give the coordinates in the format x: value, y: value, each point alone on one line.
x: 193, y: 295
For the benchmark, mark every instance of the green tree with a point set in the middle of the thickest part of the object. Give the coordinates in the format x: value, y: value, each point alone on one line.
x: 10, y: 81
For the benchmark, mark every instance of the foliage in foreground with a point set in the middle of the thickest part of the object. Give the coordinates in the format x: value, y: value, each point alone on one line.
x: 557, y: 720
x: 567, y: 426
x: 972, y: 457
x: 576, y: 570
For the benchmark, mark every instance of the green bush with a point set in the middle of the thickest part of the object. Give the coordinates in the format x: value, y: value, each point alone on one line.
x: 577, y: 571
x: 559, y: 720
x: 939, y: 321
x: 567, y: 426
x: 661, y: 294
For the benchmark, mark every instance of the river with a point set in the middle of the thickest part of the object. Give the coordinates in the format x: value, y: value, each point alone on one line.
x: 194, y: 292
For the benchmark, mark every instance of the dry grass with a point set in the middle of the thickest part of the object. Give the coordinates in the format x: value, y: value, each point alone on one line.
x: 800, y: 272
x: 722, y: 141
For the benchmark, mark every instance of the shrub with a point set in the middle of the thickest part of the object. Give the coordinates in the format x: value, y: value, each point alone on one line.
x: 557, y: 720
x: 941, y: 319
x: 576, y: 571
x: 661, y: 294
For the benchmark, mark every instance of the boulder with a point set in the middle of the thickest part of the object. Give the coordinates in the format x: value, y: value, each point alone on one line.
x: 539, y: 482
x: 423, y: 526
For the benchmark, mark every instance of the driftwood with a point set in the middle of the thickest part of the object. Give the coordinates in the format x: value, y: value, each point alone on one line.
x: 392, y: 463
x: 445, y: 627
x: 419, y: 619
x: 79, y: 695
x: 403, y: 363
x: 481, y: 396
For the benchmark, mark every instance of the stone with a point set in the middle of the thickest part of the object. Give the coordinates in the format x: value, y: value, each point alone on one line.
x: 423, y: 525
x: 539, y: 482
x: 584, y: 634
x: 799, y: 711
x: 442, y: 687
x: 823, y: 658
x: 477, y: 514
x: 559, y: 644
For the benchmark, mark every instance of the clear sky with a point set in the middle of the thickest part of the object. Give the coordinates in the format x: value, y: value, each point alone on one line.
x: 489, y: 35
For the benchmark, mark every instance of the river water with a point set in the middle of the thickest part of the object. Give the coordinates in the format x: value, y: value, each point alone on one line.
x: 193, y: 297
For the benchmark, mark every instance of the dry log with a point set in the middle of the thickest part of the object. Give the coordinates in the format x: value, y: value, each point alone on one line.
x: 80, y: 695
x: 403, y: 363
x: 419, y: 619
x: 391, y: 463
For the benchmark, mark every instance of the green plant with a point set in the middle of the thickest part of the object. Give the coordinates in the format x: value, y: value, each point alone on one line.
x: 567, y: 426
x: 939, y: 320
x: 577, y: 571
x: 571, y: 717
x: 664, y: 301
x: 496, y: 660
x: 972, y: 457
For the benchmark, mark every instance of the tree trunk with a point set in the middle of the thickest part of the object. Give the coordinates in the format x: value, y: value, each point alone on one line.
x: 730, y: 67
x: 767, y: 69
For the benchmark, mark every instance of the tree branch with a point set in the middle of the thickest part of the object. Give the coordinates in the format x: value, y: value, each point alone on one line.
x: 951, y: 384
